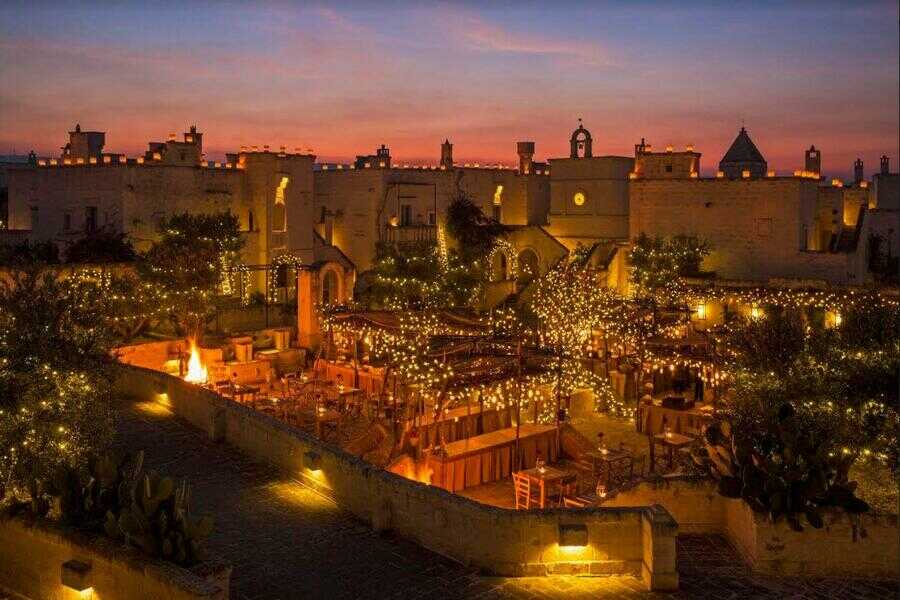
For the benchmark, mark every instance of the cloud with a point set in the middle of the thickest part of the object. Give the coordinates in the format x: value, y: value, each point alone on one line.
x: 474, y: 32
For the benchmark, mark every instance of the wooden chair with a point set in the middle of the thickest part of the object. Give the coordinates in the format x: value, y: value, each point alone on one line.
x: 525, y: 496
x: 568, y: 486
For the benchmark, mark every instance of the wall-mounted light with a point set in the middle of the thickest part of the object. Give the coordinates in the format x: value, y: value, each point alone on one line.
x: 312, y: 460
x: 75, y: 575
x: 573, y: 535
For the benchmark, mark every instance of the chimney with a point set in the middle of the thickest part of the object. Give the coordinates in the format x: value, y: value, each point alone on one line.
x: 858, y: 172
x: 526, y: 154
x: 885, y: 164
x: 447, y: 154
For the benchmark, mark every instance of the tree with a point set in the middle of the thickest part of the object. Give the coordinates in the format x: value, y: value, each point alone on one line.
x: 474, y: 232
x: 415, y: 276
x: 187, y: 264
x: 808, y: 403
x: 101, y: 246
x: 55, y: 383
x: 25, y: 253
x: 658, y: 264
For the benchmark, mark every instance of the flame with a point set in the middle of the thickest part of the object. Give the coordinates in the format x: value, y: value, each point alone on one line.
x: 409, y: 468
x: 196, y: 371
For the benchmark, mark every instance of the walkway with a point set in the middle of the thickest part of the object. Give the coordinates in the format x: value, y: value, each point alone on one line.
x: 286, y: 542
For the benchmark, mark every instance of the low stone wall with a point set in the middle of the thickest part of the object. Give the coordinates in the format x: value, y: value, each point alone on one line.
x: 837, y: 549
x: 33, y: 551
x: 607, y: 541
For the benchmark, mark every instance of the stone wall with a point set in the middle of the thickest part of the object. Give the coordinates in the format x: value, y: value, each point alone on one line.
x: 836, y: 549
x: 758, y: 228
x: 635, y: 541
x: 32, y: 554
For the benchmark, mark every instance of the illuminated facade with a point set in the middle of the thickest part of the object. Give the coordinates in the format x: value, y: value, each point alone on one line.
x: 761, y: 225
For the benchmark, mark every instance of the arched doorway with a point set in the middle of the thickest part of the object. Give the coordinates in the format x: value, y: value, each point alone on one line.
x: 330, y: 291
x: 529, y: 265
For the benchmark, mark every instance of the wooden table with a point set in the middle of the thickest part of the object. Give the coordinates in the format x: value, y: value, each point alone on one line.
x: 544, y: 478
x: 672, y: 442
x: 490, y: 456
x: 609, y: 459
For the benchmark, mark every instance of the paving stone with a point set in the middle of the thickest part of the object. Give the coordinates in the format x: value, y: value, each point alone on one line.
x: 285, y: 541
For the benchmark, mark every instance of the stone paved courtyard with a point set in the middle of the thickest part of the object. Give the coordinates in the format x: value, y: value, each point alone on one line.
x: 285, y: 541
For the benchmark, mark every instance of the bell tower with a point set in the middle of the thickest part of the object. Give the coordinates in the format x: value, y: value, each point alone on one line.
x: 581, y: 143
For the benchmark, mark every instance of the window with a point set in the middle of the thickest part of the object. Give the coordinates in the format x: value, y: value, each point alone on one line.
x: 432, y: 218
x: 405, y: 215
x: 250, y: 220
x: 668, y: 168
x: 498, y: 196
x: 279, y: 213
x: 804, y: 245
x: 497, y: 212
x: 90, y: 219
x: 578, y: 198
x: 764, y: 227
x: 35, y: 217
x: 67, y: 222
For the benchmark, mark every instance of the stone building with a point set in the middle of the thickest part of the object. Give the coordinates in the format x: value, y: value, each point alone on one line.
x: 761, y: 225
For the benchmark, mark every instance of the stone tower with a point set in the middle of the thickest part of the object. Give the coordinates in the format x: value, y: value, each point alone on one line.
x: 743, y: 155
x: 526, y: 156
x: 447, y: 154
x: 858, y: 173
x: 813, y: 160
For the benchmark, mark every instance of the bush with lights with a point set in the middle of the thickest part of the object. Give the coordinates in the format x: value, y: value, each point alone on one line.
x: 54, y: 379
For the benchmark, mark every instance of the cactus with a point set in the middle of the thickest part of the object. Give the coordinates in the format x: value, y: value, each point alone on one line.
x: 781, y: 469
x: 144, y: 510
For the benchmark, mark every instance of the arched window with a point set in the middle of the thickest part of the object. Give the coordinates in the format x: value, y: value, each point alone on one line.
x: 579, y: 198
x: 279, y: 216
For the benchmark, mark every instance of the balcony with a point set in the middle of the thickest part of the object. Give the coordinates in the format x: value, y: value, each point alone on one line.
x: 410, y: 234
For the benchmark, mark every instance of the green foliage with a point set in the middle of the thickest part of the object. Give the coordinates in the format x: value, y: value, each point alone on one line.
x: 101, y: 246
x: 55, y: 385
x: 474, y: 232
x: 780, y: 461
x: 809, y: 402
x: 25, y: 253
x: 414, y: 277
x: 657, y: 265
x: 111, y: 495
x: 186, y: 265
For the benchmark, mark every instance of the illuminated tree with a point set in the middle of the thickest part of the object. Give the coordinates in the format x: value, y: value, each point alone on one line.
x: 186, y: 266
x: 54, y: 378
x: 658, y: 265
x: 570, y: 304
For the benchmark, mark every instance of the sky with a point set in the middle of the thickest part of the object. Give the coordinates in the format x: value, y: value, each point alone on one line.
x: 341, y: 78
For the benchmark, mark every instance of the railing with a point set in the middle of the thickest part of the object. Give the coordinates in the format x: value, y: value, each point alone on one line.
x: 410, y: 234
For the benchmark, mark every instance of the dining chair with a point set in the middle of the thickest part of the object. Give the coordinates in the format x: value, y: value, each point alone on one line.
x: 524, y: 493
x: 568, y: 486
